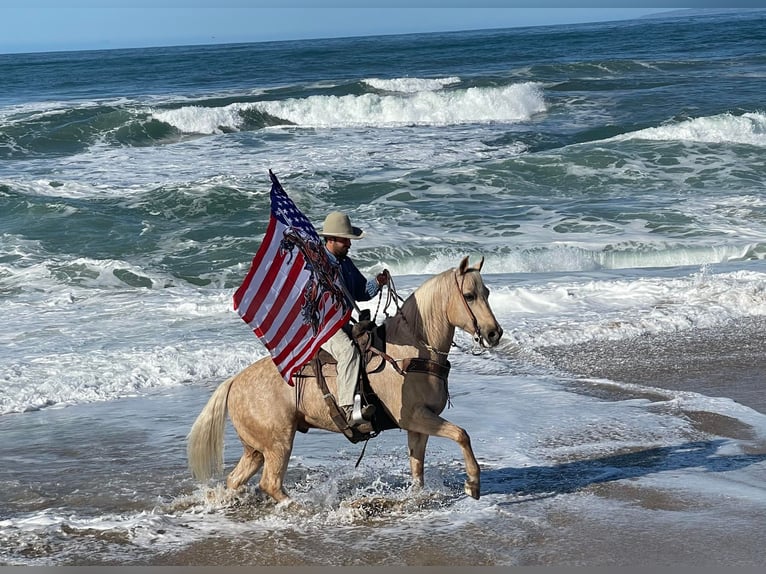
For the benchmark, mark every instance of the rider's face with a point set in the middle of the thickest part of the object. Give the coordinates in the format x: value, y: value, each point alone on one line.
x: 338, y: 246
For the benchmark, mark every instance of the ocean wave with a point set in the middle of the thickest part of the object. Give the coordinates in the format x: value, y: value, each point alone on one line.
x: 748, y: 128
x: 211, y: 120
x: 411, y: 85
x: 29, y: 274
x: 514, y: 103
x: 558, y: 258
x: 595, y: 70
x: 73, y: 128
x: 570, y: 312
x: 561, y: 259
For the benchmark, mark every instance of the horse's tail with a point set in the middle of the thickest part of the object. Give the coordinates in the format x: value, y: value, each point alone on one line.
x: 204, y: 443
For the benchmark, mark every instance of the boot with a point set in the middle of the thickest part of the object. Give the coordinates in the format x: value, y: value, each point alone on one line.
x: 348, y: 413
x: 361, y: 424
x: 361, y: 413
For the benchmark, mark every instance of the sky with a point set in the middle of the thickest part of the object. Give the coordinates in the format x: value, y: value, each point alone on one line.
x: 57, y: 25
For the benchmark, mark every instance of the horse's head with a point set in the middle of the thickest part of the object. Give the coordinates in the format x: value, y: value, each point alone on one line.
x: 469, y: 308
x: 454, y: 299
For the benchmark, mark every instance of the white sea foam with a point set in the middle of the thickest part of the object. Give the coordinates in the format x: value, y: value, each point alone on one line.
x: 748, y: 128
x: 569, y: 312
x: 86, y: 376
x: 88, y: 339
x: 203, y: 120
x: 411, y: 85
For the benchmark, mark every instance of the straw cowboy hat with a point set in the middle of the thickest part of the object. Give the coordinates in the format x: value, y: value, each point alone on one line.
x: 337, y: 224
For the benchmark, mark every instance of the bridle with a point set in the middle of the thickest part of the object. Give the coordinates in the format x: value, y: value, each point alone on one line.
x: 478, y: 339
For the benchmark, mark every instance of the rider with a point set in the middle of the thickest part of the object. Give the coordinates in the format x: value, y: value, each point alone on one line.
x: 338, y: 233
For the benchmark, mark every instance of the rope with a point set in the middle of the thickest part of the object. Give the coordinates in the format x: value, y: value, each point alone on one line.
x: 391, y: 297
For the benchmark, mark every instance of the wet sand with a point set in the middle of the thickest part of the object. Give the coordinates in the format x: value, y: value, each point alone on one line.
x: 728, y: 361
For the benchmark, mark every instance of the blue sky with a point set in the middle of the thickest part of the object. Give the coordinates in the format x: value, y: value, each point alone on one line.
x: 53, y: 25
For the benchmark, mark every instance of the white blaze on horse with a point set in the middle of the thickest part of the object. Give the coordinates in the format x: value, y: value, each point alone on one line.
x: 266, y: 412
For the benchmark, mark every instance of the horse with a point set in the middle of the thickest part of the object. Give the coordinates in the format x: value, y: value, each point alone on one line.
x: 266, y: 412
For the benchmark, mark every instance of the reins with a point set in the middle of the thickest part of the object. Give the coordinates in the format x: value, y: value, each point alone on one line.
x: 393, y: 296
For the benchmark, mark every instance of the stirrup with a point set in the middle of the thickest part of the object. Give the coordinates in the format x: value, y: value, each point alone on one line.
x: 361, y: 415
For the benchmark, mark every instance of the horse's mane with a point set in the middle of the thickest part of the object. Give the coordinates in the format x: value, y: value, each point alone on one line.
x: 423, y: 310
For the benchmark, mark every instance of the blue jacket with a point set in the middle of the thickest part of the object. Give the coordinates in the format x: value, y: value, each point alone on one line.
x: 361, y: 289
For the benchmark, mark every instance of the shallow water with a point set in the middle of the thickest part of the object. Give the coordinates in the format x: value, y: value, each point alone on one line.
x: 566, y: 478
x: 615, y: 191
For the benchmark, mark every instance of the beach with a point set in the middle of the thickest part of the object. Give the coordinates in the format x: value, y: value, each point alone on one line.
x: 635, y: 524
x: 577, y: 511
x: 609, y: 176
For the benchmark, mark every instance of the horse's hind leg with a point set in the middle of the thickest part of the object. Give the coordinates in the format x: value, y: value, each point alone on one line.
x: 274, y: 463
x: 417, y: 445
x: 275, y: 467
x: 248, y: 465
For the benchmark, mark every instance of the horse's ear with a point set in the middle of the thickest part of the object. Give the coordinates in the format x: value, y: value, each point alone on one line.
x: 464, y: 265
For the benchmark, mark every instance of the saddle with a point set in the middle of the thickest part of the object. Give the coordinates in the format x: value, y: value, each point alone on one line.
x: 370, y: 339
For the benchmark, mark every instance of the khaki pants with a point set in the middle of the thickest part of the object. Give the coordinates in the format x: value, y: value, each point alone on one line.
x: 345, y: 352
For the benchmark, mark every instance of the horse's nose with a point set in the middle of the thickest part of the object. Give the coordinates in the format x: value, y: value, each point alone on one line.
x: 493, y: 337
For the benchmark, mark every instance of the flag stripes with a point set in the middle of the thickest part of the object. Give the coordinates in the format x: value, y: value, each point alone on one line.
x: 282, y: 298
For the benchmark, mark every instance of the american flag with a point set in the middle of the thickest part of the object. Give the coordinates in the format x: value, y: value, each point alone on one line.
x: 292, y: 297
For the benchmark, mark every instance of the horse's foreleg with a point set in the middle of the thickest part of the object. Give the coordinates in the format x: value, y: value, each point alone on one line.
x: 417, y: 445
x: 424, y: 420
x: 248, y: 465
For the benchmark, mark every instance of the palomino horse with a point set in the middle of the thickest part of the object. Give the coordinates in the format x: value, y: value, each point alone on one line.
x: 266, y: 411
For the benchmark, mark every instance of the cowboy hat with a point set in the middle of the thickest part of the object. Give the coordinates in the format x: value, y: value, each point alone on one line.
x: 337, y: 224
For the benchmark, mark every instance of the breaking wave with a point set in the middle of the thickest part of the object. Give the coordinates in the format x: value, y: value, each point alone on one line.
x: 748, y: 128
x: 511, y: 104
x: 411, y: 85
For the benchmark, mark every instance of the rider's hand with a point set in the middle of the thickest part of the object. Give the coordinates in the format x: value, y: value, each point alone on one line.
x: 382, y: 278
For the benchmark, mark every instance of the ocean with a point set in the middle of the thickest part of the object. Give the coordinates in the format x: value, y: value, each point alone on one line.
x: 612, y: 177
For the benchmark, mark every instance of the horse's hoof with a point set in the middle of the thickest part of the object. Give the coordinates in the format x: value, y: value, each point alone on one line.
x: 292, y: 506
x: 472, y: 489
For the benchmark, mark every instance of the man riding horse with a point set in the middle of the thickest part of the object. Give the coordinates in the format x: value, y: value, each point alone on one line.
x: 338, y: 233
x: 411, y: 388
